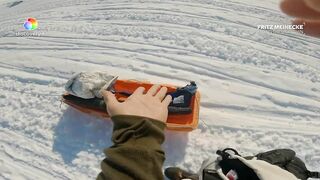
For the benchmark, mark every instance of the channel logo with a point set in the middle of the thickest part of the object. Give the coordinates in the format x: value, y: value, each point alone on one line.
x: 31, y: 24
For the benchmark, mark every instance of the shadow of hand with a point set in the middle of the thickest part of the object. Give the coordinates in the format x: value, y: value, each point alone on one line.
x: 78, y: 132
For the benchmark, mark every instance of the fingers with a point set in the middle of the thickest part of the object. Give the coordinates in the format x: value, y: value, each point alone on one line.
x: 153, y: 90
x: 311, y: 28
x: 313, y: 4
x: 162, y: 93
x: 109, y: 98
x: 139, y: 91
x: 299, y: 8
x: 167, y: 100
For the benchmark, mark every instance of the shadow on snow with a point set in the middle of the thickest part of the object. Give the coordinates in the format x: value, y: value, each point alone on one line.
x: 78, y: 132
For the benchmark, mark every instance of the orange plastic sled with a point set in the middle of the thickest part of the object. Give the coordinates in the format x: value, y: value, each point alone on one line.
x: 177, y: 122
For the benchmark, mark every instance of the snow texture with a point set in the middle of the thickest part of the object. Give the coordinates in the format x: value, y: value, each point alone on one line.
x: 260, y: 90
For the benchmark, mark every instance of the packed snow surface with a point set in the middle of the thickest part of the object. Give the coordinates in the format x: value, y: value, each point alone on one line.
x: 260, y: 90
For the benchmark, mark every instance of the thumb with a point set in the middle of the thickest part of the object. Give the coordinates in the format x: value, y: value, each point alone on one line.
x: 109, y: 98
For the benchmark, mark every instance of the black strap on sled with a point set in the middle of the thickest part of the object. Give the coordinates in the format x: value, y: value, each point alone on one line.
x: 314, y: 174
x: 183, y: 95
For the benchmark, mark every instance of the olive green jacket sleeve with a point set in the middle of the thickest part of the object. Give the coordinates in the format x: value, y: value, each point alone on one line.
x: 136, y: 153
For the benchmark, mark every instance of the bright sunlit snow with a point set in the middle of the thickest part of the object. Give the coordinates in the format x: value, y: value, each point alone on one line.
x: 260, y: 90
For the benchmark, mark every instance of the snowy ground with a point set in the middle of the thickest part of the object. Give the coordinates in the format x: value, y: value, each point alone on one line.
x: 259, y: 90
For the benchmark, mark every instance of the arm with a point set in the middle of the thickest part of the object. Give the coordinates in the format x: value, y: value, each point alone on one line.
x: 136, y: 153
x: 137, y: 135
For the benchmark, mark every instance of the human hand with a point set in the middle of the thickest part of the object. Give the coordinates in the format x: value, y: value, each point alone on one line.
x: 306, y: 12
x: 154, y: 104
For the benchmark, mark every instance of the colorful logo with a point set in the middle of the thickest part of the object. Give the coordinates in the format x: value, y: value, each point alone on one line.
x: 31, y: 24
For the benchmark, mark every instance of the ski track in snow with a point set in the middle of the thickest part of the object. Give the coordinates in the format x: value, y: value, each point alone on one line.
x: 260, y: 90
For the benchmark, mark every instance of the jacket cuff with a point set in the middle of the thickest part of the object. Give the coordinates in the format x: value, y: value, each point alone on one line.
x: 138, y: 129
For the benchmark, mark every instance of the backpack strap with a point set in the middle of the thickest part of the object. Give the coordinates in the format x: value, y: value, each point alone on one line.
x: 225, y: 154
x: 313, y: 174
